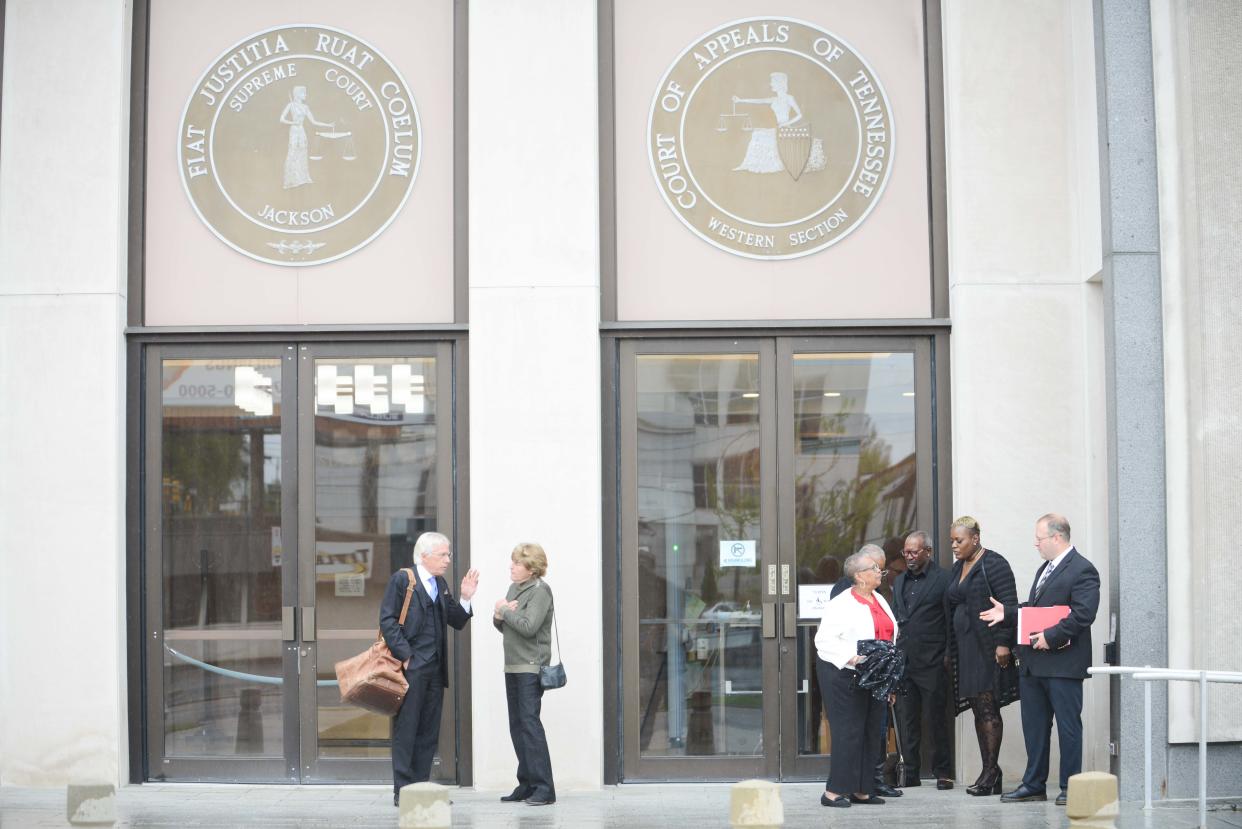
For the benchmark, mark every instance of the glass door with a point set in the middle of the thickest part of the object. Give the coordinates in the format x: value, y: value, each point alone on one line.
x: 750, y: 470
x: 855, y: 421
x: 699, y: 608
x: 374, y: 475
x: 284, y: 485
x: 222, y: 656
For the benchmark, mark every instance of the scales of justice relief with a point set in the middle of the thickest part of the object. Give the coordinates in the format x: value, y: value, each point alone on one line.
x: 790, y: 145
x: 337, y: 137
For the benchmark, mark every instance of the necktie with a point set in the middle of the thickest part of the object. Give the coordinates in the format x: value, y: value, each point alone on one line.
x: 1043, y: 578
x: 433, y: 589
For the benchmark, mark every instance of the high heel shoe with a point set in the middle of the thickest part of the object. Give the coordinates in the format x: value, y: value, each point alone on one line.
x: 989, y: 784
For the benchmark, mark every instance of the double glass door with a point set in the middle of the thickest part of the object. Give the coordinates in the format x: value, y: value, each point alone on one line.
x: 284, y: 484
x: 750, y: 469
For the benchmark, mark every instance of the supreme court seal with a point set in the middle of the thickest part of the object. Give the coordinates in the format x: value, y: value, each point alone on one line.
x: 299, y: 145
x: 770, y: 138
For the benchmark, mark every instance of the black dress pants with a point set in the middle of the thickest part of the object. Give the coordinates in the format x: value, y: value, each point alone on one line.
x: 530, y: 744
x: 855, y: 718
x: 1044, y: 698
x: 416, y: 728
x: 925, y: 701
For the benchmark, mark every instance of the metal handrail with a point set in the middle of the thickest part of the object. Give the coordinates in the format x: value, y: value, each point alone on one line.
x: 1147, y: 675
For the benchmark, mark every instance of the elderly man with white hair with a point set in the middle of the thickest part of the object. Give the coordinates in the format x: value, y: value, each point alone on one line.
x: 422, y: 646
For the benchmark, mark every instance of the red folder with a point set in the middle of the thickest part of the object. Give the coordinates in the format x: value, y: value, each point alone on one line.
x: 1033, y: 620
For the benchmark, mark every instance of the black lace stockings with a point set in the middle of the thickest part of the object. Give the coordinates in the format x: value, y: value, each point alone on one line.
x: 989, y: 729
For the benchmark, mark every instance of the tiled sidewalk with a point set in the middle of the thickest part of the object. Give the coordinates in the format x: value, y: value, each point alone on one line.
x: 685, y: 806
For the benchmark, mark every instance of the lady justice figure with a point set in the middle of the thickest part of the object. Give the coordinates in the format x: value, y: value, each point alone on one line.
x: 297, y: 162
x: 761, y: 153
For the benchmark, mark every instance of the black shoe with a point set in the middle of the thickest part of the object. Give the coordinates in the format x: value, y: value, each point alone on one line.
x: 538, y: 801
x: 911, y: 782
x: 1023, y: 794
x: 886, y: 790
x: 989, y: 784
x: 837, y: 802
x: 1061, y: 798
x: 867, y: 801
x: 944, y: 784
x: 517, y: 795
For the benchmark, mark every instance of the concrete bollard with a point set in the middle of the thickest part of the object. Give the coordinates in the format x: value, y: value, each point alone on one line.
x: 1091, y: 802
x: 425, y: 806
x: 756, y: 804
x: 91, y: 803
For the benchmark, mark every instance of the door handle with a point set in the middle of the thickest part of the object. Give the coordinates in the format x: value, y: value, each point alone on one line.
x: 769, y: 620
x: 288, y: 628
x: 308, y: 624
x: 790, y: 622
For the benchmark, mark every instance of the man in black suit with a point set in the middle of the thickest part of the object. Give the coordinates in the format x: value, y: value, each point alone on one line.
x: 1053, y: 665
x: 918, y: 604
x: 422, y: 646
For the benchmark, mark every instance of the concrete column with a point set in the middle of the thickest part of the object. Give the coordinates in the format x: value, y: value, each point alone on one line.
x: 1025, y: 299
x: 64, y: 168
x: 1134, y: 367
x: 534, y: 359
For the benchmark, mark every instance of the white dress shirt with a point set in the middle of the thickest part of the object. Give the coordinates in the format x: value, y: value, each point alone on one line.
x: 432, y: 590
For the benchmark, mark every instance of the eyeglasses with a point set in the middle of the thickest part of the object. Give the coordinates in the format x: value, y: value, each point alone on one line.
x: 882, y: 573
x: 443, y: 554
x: 1040, y: 538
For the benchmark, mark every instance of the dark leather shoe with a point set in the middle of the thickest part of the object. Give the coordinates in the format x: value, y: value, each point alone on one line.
x: 944, y: 784
x: 1023, y: 794
x: 837, y: 802
x: 1060, y: 801
x: 886, y: 790
x: 867, y: 801
x: 541, y: 800
x: 518, y: 794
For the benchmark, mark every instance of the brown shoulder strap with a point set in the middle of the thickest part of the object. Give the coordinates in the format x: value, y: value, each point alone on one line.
x: 409, y: 593
x: 405, y: 607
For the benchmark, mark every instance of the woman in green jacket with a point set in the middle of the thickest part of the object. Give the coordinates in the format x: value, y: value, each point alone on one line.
x: 524, y: 617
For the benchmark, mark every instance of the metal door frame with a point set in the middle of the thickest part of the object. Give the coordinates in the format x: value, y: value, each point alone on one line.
x: 370, y: 770
x: 696, y: 768
x: 794, y: 766
x: 214, y: 768
x: 299, y: 763
x: 776, y: 350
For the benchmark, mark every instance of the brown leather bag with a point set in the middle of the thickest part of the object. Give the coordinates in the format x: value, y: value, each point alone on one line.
x: 374, y: 679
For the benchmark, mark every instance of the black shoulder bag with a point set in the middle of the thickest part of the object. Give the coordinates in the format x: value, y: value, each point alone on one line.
x: 553, y: 676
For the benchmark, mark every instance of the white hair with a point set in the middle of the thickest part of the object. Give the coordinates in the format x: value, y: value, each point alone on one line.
x: 428, y: 542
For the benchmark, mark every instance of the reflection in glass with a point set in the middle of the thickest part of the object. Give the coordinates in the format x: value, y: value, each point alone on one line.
x: 375, y: 469
x: 700, y: 665
x: 854, y: 484
x: 220, y: 512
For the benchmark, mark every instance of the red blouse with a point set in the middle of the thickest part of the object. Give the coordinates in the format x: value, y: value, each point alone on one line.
x: 883, y: 624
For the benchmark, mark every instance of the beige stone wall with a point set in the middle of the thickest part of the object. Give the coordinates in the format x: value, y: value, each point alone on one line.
x: 1199, y: 119
x: 1026, y: 302
x: 405, y: 275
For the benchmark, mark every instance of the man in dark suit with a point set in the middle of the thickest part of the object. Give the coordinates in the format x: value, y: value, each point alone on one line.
x: 923, y: 631
x: 1053, y: 665
x: 422, y: 646
x: 876, y: 552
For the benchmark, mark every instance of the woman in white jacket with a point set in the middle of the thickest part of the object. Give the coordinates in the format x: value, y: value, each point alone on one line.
x: 853, y: 714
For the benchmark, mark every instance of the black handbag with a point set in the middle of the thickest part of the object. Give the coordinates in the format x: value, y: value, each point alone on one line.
x: 553, y: 676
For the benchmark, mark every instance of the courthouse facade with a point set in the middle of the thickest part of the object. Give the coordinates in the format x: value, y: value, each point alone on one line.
x: 702, y: 296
